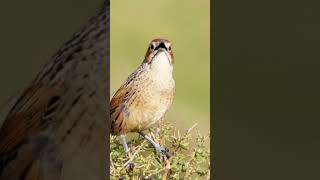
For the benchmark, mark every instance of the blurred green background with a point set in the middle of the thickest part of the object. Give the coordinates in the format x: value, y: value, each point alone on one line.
x: 186, y: 24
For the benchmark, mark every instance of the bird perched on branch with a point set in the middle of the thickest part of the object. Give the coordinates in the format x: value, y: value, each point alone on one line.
x: 145, y: 97
x: 57, y: 128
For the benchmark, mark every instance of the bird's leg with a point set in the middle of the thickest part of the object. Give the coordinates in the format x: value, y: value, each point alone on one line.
x: 130, y: 165
x: 124, y: 144
x: 164, y: 153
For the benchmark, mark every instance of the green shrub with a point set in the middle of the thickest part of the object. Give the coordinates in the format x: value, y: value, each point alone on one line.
x: 190, y: 157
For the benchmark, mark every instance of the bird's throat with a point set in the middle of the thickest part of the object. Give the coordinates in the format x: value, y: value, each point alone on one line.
x: 161, y: 65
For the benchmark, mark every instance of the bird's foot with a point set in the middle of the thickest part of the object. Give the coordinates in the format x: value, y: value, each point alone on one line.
x: 163, y: 153
x: 129, y: 165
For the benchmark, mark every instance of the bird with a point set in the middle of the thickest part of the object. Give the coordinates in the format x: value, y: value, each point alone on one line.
x: 146, y: 96
x: 56, y: 130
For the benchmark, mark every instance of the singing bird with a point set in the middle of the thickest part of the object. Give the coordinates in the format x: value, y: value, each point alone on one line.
x: 57, y: 128
x: 145, y: 97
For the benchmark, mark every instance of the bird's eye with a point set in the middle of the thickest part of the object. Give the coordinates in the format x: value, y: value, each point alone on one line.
x: 169, y: 48
x: 151, y: 46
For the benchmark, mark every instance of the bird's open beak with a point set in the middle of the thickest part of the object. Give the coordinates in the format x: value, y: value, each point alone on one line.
x: 161, y: 46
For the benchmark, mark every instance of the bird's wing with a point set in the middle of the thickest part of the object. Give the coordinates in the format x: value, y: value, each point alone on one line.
x: 19, y: 143
x: 118, y: 107
x: 116, y: 114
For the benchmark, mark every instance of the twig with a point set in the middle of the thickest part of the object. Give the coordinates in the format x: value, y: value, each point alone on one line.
x: 168, y: 162
x: 113, y: 168
x: 188, y: 171
x: 132, y: 157
x: 167, y: 169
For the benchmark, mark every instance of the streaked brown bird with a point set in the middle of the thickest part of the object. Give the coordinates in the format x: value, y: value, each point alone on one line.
x: 145, y: 97
x: 57, y: 128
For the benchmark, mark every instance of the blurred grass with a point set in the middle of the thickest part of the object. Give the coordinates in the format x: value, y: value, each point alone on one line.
x: 186, y: 24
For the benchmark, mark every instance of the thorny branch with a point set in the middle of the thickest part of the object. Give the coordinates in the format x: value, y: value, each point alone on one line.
x: 186, y: 161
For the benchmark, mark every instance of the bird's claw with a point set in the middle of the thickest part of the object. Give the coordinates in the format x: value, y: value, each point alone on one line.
x: 164, y: 153
x: 130, y: 166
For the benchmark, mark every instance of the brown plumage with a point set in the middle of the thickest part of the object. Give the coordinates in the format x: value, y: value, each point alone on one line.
x: 57, y: 128
x: 147, y: 94
x: 145, y: 97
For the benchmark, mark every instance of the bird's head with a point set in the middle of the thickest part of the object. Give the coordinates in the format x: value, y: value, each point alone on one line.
x: 159, y: 50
